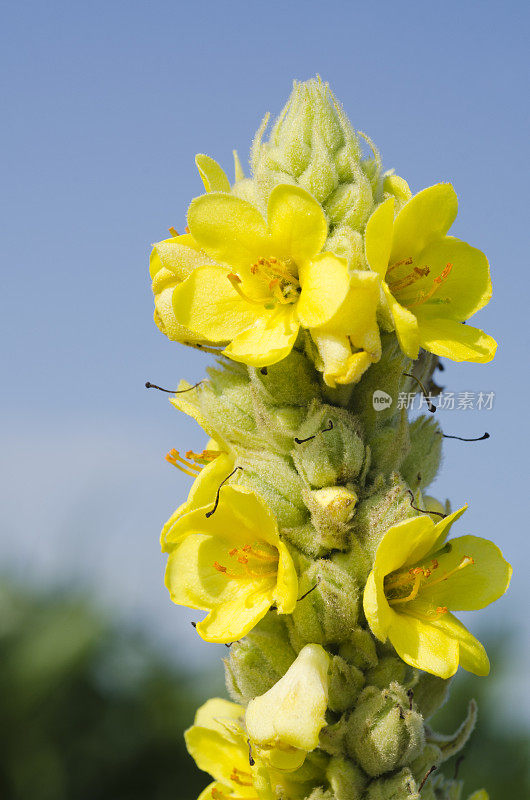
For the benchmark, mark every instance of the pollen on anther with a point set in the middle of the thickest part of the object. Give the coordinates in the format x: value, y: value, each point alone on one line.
x: 219, y: 567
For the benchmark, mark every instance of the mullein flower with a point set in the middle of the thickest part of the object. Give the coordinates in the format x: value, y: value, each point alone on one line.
x: 220, y: 745
x: 431, y: 282
x: 285, y: 722
x: 217, y: 742
x: 229, y: 560
x: 417, y: 578
x: 270, y: 279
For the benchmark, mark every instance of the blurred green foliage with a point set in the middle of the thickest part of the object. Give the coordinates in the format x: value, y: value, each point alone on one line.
x: 89, y: 712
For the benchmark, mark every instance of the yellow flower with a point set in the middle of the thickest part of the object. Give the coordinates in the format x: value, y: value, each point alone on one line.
x: 269, y: 278
x: 417, y: 578
x: 431, y: 282
x: 285, y: 722
x: 218, y: 744
x: 230, y: 561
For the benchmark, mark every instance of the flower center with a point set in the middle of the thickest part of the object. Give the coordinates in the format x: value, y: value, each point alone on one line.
x: 194, y: 462
x: 273, y: 283
x: 404, y: 286
x: 255, y: 561
x: 403, y: 586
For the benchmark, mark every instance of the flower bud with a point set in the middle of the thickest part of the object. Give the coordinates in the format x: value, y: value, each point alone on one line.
x: 395, y: 787
x: 387, y: 670
x: 314, y: 145
x: 259, y: 660
x: 330, y: 610
x: 331, y: 509
x: 359, y: 649
x: 332, y: 456
x: 383, y: 733
x: 345, y: 683
x: 346, y: 779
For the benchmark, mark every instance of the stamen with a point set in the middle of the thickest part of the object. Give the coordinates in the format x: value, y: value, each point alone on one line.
x: 399, y: 264
x: 173, y: 231
x: 413, y: 594
x: 424, y: 296
x: 187, y: 467
x: 149, y: 385
x: 430, y: 404
x: 235, y: 280
x: 410, y: 279
x: 467, y: 561
x: 240, y: 777
x: 461, y: 438
x: 204, y: 457
x: 329, y: 428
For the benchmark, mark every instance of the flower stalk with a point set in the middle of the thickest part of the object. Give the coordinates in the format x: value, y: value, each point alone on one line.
x: 308, y: 539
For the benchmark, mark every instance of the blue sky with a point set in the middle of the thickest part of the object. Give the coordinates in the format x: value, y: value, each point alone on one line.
x: 106, y: 105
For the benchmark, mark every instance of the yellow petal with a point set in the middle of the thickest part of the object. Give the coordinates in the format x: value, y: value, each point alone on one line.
x: 211, y: 745
x: 202, y: 493
x: 340, y: 364
x: 474, y: 586
x: 179, y: 255
x: 296, y: 222
x: 268, y: 340
x: 378, y: 237
x: 229, y: 229
x: 445, y: 337
x: 213, y: 176
x: 377, y: 611
x: 472, y: 655
x: 356, y: 317
x: 405, y: 543
x: 216, y: 712
x: 232, y: 620
x: 424, y: 645
x: 286, y: 591
x: 397, y: 186
x: 443, y: 526
x: 325, y: 282
x: 208, y: 304
x: 466, y: 289
x: 292, y: 713
x: 425, y: 218
x: 406, y: 325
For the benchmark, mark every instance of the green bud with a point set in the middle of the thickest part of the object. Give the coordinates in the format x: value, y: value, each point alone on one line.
x: 387, y: 670
x: 314, y: 145
x: 430, y: 756
x: 359, y: 650
x: 396, y: 787
x: 329, y: 611
x: 345, y: 683
x: 259, y: 660
x: 272, y: 477
x: 346, y: 779
x: 332, y: 456
x: 422, y: 463
x: 383, y: 733
x: 291, y: 382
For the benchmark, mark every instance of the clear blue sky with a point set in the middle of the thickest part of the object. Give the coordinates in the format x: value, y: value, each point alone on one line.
x: 105, y: 106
